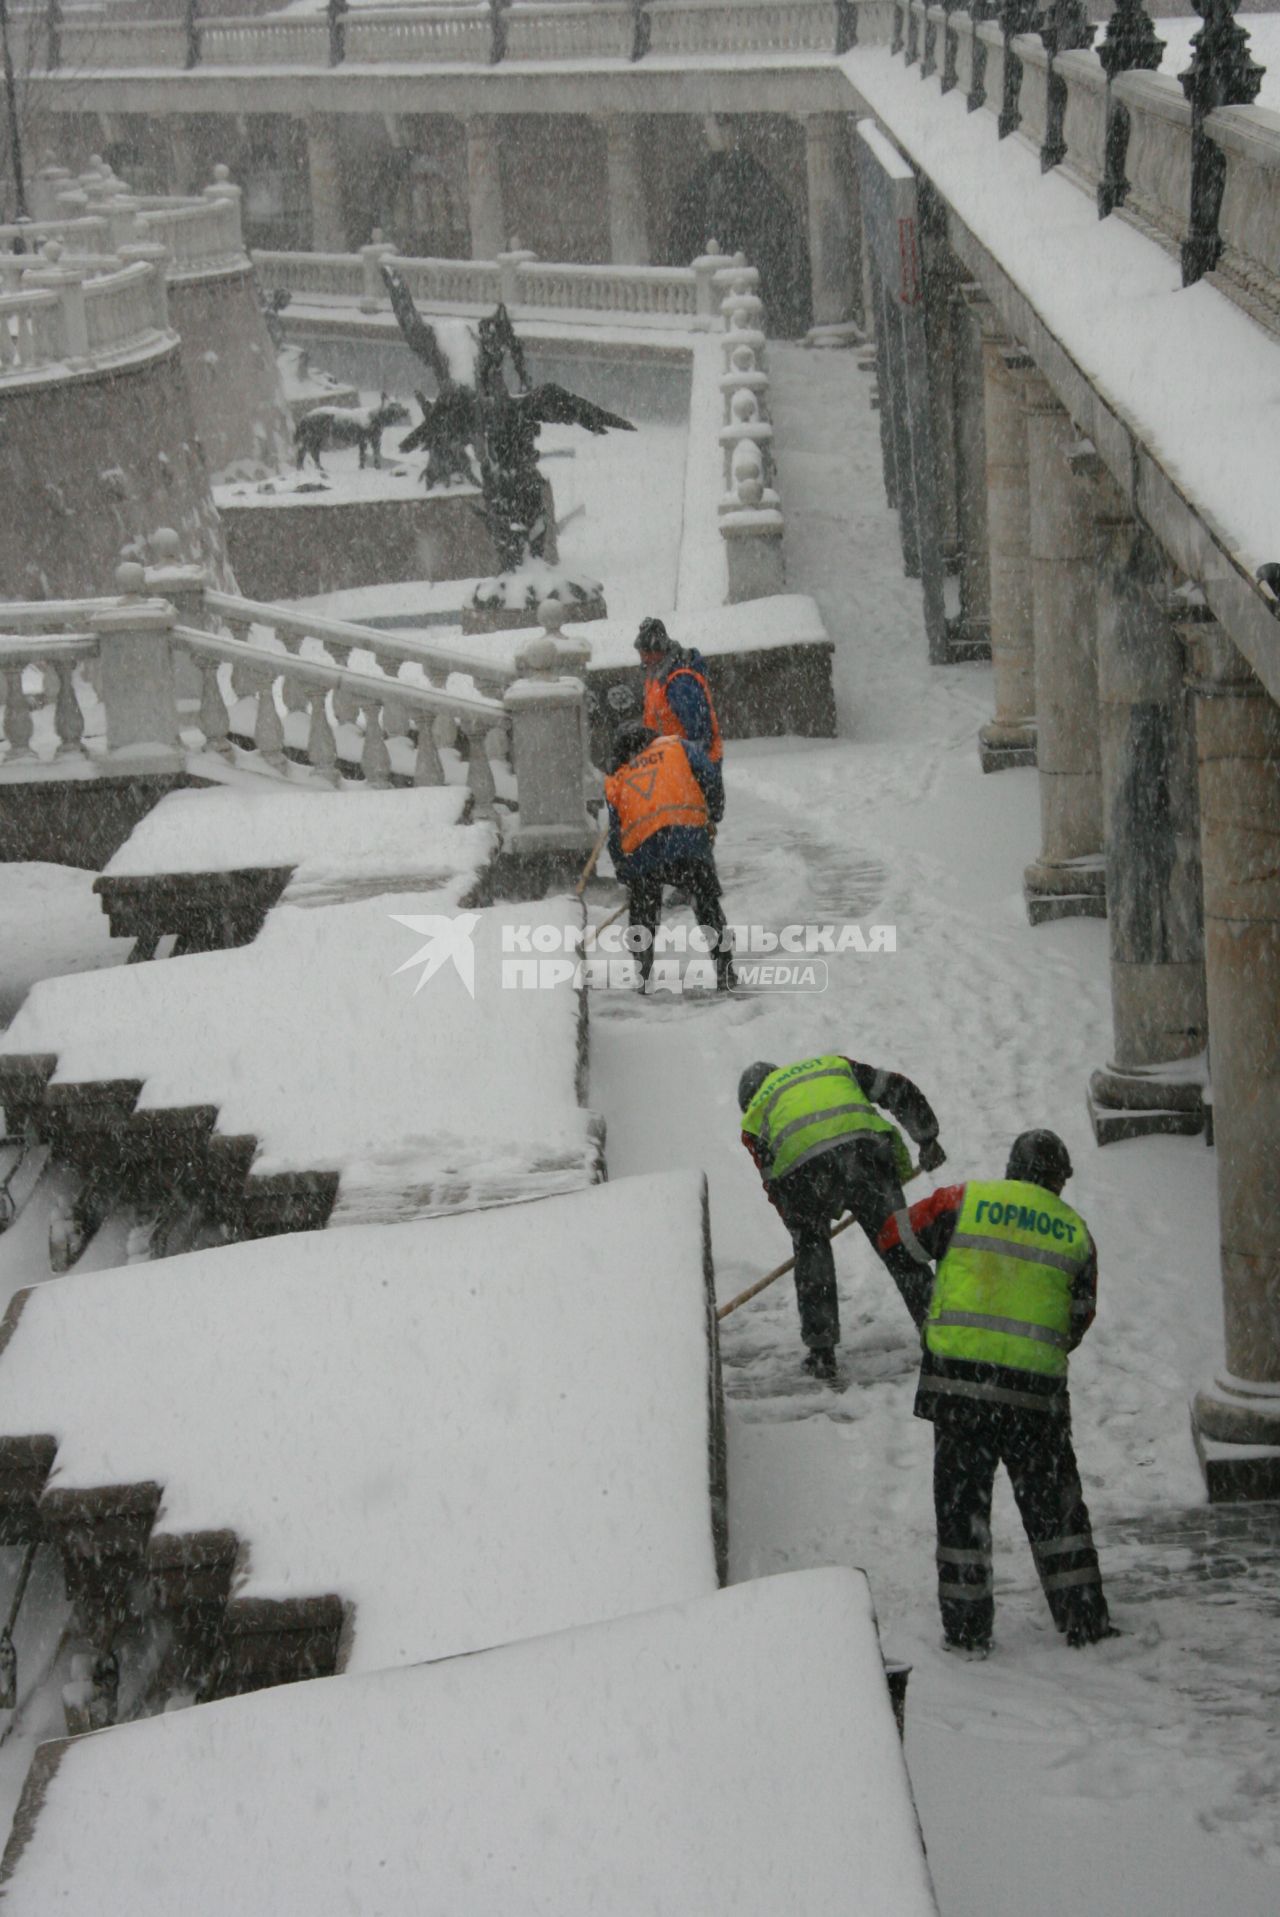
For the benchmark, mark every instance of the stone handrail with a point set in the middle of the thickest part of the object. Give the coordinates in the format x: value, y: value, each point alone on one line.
x: 297, y: 41
x: 124, y: 310
x: 1148, y: 177
x: 742, y: 26
x: 689, y: 296
x: 56, y: 657
x: 203, y: 237
x: 434, y: 36
x: 478, y: 34
x: 331, y: 697
x: 127, y: 45
x: 340, y: 639
x: 32, y: 333
x: 574, y: 30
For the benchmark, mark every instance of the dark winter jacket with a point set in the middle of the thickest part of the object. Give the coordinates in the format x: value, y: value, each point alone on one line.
x: 685, y: 696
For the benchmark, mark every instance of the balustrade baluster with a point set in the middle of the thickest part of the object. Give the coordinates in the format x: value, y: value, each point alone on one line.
x: 375, y: 760
x: 346, y: 707
x: 427, y: 769
x: 17, y: 715
x: 215, y: 720
x: 268, y: 731
x: 243, y: 680
x: 292, y: 691
x: 480, y: 783
x: 68, y: 720
x: 322, y: 747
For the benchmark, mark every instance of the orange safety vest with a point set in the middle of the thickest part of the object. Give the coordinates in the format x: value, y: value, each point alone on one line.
x: 654, y: 790
x: 659, y: 717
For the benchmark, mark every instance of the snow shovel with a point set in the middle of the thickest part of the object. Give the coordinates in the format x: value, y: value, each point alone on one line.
x: 780, y: 1271
x: 593, y: 930
x: 8, y: 1651
x: 590, y: 865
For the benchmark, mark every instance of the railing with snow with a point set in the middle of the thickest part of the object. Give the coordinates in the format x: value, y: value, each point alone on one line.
x: 169, y: 667
x: 63, y: 320
x: 688, y: 296
x: 96, y: 216
x: 482, y: 34
x: 751, y: 522
x: 1129, y: 135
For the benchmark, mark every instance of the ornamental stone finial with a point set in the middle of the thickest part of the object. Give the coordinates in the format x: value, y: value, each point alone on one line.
x: 1130, y: 43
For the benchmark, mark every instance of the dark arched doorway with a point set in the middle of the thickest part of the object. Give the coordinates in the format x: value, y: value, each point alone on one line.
x: 735, y: 201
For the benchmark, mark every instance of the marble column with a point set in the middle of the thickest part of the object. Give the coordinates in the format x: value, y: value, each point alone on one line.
x: 830, y: 260
x: 971, y: 638
x: 484, y: 188
x: 1010, y: 738
x: 1238, y: 749
x: 1154, y: 1079
x: 1068, y: 880
x: 324, y: 178
x: 628, y: 213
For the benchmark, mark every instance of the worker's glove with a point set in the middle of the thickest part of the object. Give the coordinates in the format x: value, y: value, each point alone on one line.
x: 932, y: 1155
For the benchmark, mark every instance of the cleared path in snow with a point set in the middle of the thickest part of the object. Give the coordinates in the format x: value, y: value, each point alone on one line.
x: 1158, y: 1753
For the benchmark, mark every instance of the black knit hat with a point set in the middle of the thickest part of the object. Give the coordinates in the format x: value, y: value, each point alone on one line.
x: 654, y: 637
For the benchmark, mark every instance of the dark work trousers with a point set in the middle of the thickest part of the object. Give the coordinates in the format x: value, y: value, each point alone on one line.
x: 859, y: 1175
x: 1035, y: 1447
x: 697, y: 877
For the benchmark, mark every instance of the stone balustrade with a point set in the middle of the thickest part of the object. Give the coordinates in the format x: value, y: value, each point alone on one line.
x: 689, y: 296
x: 751, y: 522
x: 1155, y: 157
x: 169, y: 667
x: 480, y: 34
x: 61, y: 319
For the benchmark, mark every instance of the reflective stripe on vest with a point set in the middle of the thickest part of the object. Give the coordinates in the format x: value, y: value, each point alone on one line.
x: 1003, y: 1290
x: 655, y: 789
x: 805, y: 1109
x: 659, y: 716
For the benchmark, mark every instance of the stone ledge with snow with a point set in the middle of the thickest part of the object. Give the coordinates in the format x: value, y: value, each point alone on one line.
x: 208, y: 865
x: 503, y: 1424
x: 685, y: 1760
x: 307, y: 1076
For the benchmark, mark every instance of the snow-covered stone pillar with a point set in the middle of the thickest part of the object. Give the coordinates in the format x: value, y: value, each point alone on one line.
x: 324, y: 177
x: 547, y: 710
x: 1151, y: 825
x: 1238, y: 747
x: 829, y: 226
x: 1010, y: 738
x: 1068, y: 880
x: 135, y: 673
x: 972, y: 638
x: 628, y: 213
x: 484, y: 187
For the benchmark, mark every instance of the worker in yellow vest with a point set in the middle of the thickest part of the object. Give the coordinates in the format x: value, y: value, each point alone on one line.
x: 1013, y: 1294
x: 823, y: 1148
x: 664, y: 795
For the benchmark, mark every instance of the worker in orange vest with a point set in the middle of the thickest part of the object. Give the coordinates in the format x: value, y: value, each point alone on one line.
x: 664, y: 795
x: 677, y: 698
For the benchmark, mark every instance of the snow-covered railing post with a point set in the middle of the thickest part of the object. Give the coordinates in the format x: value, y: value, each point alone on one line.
x: 135, y: 669
x: 371, y: 258
x: 68, y: 283
x: 184, y: 587
x: 705, y: 268
x: 547, y: 709
x: 1222, y: 73
x: 510, y: 266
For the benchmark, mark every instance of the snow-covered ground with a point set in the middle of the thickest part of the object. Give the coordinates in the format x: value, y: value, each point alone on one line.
x: 1137, y: 1778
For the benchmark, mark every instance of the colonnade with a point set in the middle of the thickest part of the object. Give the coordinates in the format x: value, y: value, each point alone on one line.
x: 1157, y: 752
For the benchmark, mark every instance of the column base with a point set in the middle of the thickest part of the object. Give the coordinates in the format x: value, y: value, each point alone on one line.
x: 969, y: 640
x: 1236, y: 1429
x: 1072, y: 889
x: 1002, y: 745
x: 1143, y: 1104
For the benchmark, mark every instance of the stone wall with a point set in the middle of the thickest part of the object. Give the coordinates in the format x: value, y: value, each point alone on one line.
x: 89, y: 466
x: 232, y: 379
x: 294, y: 551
